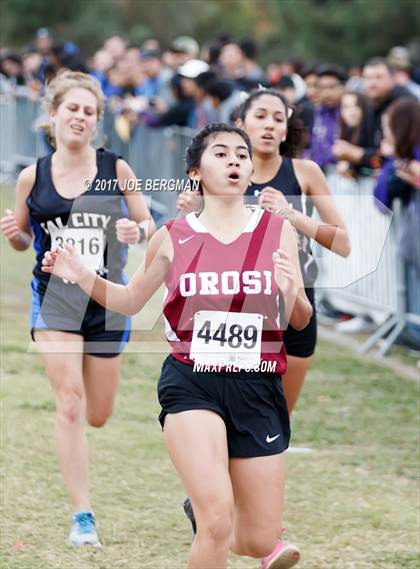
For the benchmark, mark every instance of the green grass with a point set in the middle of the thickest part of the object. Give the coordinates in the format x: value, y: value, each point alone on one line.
x: 351, y: 504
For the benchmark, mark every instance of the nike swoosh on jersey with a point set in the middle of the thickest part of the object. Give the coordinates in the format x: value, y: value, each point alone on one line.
x: 182, y: 241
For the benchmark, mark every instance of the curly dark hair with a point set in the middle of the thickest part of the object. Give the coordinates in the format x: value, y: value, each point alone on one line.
x: 296, y: 138
x: 201, y: 140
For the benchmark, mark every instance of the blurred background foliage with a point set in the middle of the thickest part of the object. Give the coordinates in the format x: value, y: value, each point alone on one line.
x: 343, y: 31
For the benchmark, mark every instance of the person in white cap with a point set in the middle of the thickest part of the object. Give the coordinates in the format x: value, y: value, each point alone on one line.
x: 190, y: 72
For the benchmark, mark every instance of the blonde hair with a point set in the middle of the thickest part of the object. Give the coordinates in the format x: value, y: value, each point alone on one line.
x: 61, y: 84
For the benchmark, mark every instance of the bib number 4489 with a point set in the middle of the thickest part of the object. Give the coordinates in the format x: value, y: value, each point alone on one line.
x: 227, y: 337
x: 235, y: 336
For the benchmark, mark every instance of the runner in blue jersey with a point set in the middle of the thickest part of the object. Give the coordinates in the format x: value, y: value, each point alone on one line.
x: 76, y: 195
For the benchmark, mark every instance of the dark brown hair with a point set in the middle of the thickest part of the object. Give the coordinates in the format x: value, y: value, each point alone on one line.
x: 352, y: 134
x: 404, y: 122
x: 201, y: 140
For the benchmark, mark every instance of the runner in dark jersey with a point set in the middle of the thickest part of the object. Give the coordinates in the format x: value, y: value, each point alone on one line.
x: 75, y: 196
x: 89, y: 222
x: 298, y: 344
x: 224, y: 414
x: 292, y: 187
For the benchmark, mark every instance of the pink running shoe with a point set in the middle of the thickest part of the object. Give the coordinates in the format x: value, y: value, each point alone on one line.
x: 284, y: 556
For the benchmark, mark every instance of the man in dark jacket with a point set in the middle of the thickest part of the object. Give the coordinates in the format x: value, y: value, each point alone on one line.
x: 382, y: 90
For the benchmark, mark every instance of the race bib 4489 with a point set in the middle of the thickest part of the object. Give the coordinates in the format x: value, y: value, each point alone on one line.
x: 227, y: 337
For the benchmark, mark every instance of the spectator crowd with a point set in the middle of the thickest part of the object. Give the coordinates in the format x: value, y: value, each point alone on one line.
x: 186, y: 85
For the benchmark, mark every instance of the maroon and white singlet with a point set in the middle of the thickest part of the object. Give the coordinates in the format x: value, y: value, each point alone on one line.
x: 222, y: 302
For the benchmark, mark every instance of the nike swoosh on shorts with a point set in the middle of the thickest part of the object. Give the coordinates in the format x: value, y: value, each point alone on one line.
x: 271, y: 439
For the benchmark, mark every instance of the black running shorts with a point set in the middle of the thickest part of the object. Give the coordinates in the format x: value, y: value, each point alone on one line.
x: 252, y: 405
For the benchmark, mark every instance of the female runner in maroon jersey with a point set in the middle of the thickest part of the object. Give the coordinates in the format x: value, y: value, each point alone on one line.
x: 279, y: 182
x: 224, y: 414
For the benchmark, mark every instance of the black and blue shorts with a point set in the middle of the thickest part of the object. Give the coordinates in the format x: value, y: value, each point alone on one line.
x: 251, y: 404
x: 65, y: 307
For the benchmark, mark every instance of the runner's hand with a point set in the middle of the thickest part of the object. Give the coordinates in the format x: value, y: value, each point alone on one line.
x: 284, y: 273
x: 9, y: 225
x: 64, y: 263
x: 189, y: 201
x: 272, y: 199
x: 128, y: 231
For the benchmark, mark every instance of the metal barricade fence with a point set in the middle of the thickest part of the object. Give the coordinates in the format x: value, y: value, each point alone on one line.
x: 368, y: 273
x: 28, y: 141
x: 7, y: 135
x: 157, y: 156
x: 372, y: 279
x: 21, y: 140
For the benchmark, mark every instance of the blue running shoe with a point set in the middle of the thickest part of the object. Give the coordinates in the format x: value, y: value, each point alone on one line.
x: 83, y: 530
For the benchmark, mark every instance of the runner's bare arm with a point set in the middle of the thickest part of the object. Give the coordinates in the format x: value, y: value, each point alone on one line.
x: 15, y: 225
x: 128, y: 230
x: 298, y: 310
x: 129, y: 299
x: 331, y: 231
